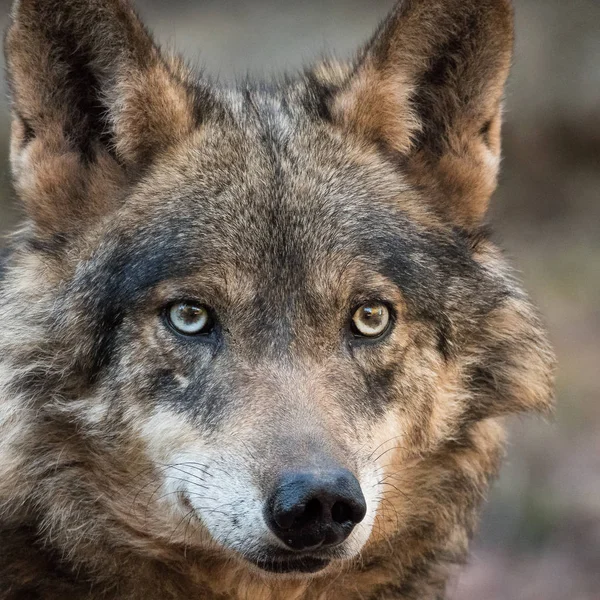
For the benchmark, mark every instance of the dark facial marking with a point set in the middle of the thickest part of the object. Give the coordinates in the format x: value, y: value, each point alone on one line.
x: 117, y: 278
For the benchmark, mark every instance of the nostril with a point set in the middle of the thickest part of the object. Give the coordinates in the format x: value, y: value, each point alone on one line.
x: 312, y: 512
x: 285, y: 519
x: 298, y: 515
x: 342, y: 513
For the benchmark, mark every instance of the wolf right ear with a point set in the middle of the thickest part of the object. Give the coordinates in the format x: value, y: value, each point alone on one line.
x: 429, y: 88
x: 93, y: 101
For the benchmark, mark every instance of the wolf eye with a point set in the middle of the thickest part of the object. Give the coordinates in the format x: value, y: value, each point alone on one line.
x: 189, y: 318
x: 371, y: 320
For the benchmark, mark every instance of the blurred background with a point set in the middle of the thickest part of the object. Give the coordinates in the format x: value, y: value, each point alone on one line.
x: 540, y: 536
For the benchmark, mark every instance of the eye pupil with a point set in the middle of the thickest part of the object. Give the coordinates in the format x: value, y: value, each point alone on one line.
x: 371, y: 320
x: 190, y: 313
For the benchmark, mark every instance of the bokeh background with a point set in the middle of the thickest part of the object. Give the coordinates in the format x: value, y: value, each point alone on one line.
x: 540, y: 536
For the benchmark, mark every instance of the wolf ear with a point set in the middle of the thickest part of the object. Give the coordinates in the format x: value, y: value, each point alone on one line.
x: 429, y: 87
x: 93, y: 101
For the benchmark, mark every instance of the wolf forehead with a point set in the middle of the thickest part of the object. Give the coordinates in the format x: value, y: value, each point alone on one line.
x: 270, y: 190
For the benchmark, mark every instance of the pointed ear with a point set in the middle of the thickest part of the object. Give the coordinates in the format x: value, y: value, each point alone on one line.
x: 93, y: 102
x: 429, y: 87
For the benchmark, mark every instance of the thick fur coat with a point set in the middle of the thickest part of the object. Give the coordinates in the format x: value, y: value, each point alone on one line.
x: 135, y: 462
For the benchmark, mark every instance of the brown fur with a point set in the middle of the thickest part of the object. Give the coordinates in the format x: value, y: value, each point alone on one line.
x: 282, y: 209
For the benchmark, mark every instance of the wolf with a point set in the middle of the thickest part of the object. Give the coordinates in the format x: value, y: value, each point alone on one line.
x: 256, y: 341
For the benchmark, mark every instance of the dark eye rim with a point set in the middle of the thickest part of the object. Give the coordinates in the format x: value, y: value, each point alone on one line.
x: 207, y: 332
x: 358, y: 336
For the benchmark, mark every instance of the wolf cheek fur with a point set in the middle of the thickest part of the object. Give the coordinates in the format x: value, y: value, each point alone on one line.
x: 136, y: 462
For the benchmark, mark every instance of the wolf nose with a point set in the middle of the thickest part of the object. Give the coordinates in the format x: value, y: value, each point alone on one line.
x: 310, y: 510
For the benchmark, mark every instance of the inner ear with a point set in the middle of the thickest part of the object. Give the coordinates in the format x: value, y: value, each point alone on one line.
x: 429, y: 88
x: 87, y: 122
x: 94, y: 102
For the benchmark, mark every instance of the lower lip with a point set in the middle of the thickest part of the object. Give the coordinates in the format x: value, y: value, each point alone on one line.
x: 292, y: 565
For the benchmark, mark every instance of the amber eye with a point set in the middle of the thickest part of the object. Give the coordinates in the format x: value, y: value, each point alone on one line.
x: 371, y: 320
x: 189, y: 318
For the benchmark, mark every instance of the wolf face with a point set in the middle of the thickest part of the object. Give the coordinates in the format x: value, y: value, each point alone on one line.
x: 259, y: 326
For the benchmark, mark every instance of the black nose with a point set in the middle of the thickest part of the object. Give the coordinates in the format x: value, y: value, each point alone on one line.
x: 310, y: 510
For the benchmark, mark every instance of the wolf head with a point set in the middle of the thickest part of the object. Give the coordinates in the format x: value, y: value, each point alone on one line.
x: 260, y: 322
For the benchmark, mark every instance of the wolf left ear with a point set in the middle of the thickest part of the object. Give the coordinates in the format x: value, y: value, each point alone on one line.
x: 429, y: 88
x: 93, y: 102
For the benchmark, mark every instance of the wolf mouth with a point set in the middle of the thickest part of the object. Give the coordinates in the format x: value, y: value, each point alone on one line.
x: 290, y: 564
